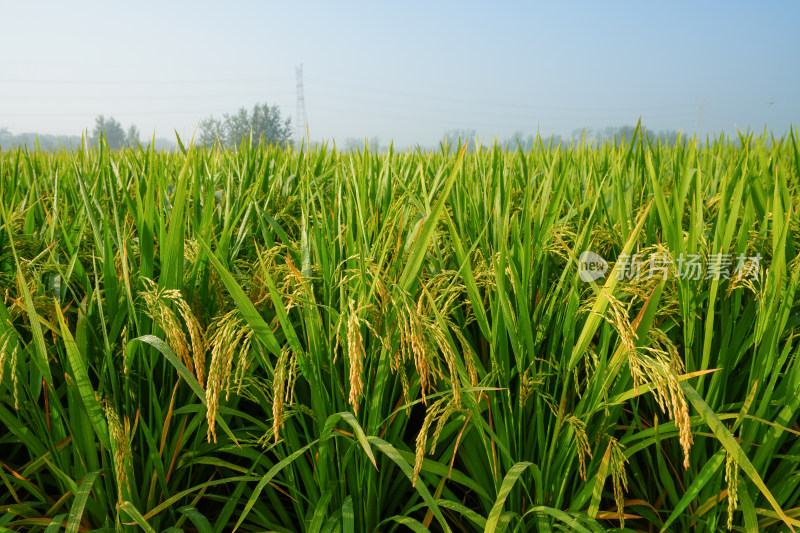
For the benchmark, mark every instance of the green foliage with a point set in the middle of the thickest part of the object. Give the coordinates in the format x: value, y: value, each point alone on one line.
x: 111, y: 130
x: 277, y: 339
x: 262, y: 124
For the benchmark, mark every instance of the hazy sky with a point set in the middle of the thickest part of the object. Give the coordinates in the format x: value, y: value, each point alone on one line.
x: 404, y: 71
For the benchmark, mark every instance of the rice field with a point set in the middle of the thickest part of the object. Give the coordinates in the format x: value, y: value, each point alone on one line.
x: 296, y: 340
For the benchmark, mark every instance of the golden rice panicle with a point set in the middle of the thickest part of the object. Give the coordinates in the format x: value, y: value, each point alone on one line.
x: 681, y: 416
x: 526, y: 386
x: 120, y: 438
x: 355, y: 351
x: 241, y: 343
x: 225, y: 334
x: 469, y: 356
x: 418, y: 341
x: 732, y: 480
x: 658, y: 364
x: 581, y: 442
x: 281, y: 382
x: 12, y: 363
x: 414, y: 342
x: 243, y: 362
x: 620, y: 320
x: 450, y: 360
x: 406, y: 387
x: 337, y: 338
x: 618, y: 477
x: 157, y: 307
x: 450, y: 408
x: 440, y: 412
x: 196, y: 336
x: 672, y: 366
x: 3, y: 355
x: 422, y: 437
x: 667, y: 392
x: 15, y: 377
x: 403, y: 352
x: 124, y: 340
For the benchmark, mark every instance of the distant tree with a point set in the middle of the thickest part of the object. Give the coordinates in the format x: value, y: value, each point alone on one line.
x: 552, y: 140
x: 132, y: 138
x: 468, y: 136
x: 353, y: 144
x: 268, y: 125
x: 518, y: 138
x: 162, y: 144
x: 617, y: 133
x: 668, y: 137
x: 237, y: 127
x: 511, y: 142
x: 264, y: 123
x: 45, y: 141
x: 111, y: 130
x: 210, y: 131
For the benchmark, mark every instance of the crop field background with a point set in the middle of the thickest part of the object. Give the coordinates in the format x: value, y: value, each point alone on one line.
x: 270, y: 339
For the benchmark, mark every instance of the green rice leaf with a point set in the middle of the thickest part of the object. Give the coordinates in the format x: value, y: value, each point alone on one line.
x: 79, y: 504
x: 510, y: 479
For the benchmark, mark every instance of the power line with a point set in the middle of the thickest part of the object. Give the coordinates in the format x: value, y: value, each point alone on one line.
x: 521, y: 120
x: 367, y: 95
x: 146, y: 98
x: 371, y: 91
x: 376, y: 90
x: 138, y: 81
x: 518, y: 120
x: 532, y: 112
x: 128, y: 113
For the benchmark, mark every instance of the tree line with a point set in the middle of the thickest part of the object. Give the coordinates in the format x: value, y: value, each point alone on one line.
x: 612, y: 134
x: 263, y: 123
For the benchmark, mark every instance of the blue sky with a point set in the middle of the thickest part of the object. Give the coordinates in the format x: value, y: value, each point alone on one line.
x: 406, y: 72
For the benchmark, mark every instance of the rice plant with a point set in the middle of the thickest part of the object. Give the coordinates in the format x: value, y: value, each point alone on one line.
x: 284, y: 339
